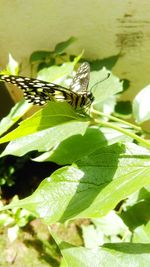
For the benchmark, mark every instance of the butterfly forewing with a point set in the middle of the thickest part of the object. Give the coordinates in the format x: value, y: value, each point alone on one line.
x: 81, y: 80
x: 39, y: 92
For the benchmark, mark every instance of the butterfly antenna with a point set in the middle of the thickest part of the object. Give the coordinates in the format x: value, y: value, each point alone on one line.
x: 101, y: 81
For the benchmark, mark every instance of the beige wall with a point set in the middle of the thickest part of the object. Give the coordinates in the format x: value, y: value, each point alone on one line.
x: 103, y: 28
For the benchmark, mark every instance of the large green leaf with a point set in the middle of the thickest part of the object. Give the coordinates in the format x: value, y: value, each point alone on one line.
x: 78, y: 146
x: 64, y: 143
x: 114, y: 255
x: 52, y: 114
x: 46, y: 139
x: 92, y: 187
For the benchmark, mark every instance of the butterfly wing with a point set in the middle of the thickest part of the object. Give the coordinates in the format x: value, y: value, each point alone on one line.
x: 39, y: 92
x: 81, y: 80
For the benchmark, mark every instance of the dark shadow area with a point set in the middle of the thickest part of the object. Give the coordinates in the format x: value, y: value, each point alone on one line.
x: 47, y: 250
x: 123, y: 107
x: 42, y: 254
x: 126, y: 84
x: 24, y: 173
x: 5, y: 100
x: 108, y: 62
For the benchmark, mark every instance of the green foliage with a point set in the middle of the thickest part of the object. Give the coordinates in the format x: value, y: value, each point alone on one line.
x: 90, y: 188
x: 15, y: 217
x: 6, y: 173
x: 141, y: 110
x: 45, y: 59
x: 112, y: 254
x: 106, y: 166
x: 15, y: 114
x: 47, y: 55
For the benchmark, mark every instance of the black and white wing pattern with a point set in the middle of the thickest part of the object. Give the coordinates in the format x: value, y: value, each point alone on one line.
x: 80, y: 81
x: 39, y: 92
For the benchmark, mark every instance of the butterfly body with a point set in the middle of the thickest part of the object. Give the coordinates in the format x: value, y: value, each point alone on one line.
x: 39, y: 92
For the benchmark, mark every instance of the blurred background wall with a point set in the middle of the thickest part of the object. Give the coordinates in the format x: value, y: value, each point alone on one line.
x: 103, y: 27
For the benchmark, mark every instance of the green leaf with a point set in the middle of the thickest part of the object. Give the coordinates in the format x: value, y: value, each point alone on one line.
x: 102, y: 86
x: 141, y: 107
x: 61, y: 47
x: 92, y: 187
x: 136, y: 208
x: 112, y: 227
x: 107, y: 106
x: 114, y: 255
x: 137, y: 214
x: 142, y: 234
x: 91, y: 237
x: 14, y: 115
x: 45, y: 140
x: 78, y: 146
x: 52, y: 114
x: 12, y: 66
x: 40, y: 56
x: 139, y: 196
x: 144, y: 193
x: 56, y: 74
x: 63, y: 263
x: 5, y: 220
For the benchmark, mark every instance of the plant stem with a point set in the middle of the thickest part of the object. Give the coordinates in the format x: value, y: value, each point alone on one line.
x: 137, y: 128
x: 132, y: 135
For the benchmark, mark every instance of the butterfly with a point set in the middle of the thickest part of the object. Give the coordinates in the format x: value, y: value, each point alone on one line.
x: 39, y: 92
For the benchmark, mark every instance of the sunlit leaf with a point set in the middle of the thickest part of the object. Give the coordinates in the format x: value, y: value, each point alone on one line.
x: 46, y: 139
x: 91, y: 187
x: 104, y: 84
x: 52, y: 114
x: 114, y: 255
x: 56, y: 74
x: 142, y: 234
x: 141, y: 107
x: 69, y: 150
x: 12, y: 66
x: 14, y: 115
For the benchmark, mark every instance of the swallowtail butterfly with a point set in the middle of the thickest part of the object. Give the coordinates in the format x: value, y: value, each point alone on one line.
x: 39, y: 92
